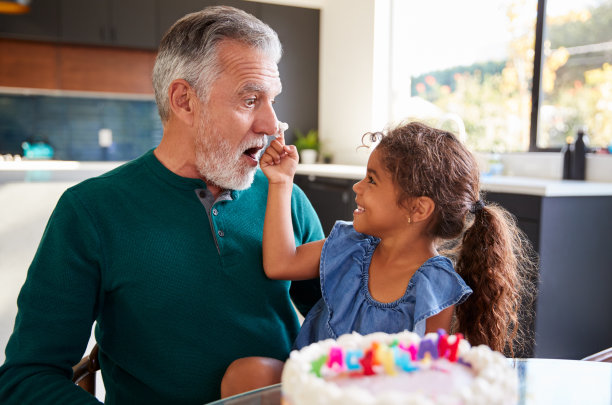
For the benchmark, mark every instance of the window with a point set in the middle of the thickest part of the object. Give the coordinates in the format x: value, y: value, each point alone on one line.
x: 576, y: 85
x: 469, y: 67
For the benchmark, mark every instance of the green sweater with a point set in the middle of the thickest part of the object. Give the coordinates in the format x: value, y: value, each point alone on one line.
x: 134, y: 250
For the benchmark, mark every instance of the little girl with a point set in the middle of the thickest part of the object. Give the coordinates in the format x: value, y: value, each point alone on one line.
x: 384, y: 271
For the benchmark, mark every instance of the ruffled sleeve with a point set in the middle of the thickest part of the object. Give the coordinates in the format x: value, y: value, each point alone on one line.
x: 437, y: 287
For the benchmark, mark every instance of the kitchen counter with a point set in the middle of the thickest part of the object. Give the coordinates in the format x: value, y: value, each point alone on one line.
x: 499, y: 184
x: 52, y: 170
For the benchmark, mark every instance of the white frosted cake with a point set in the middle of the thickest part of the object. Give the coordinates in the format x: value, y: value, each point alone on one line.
x: 398, y: 369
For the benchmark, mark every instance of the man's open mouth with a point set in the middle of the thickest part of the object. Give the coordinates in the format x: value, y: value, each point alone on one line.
x: 252, y: 152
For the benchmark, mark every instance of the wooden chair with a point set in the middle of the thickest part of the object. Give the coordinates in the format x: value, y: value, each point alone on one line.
x: 604, y: 355
x: 84, y: 372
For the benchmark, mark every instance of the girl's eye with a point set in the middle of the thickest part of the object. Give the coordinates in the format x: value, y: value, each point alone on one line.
x: 370, y: 180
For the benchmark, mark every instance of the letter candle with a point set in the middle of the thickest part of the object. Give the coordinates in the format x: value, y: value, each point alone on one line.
x: 428, y: 346
x: 336, y: 357
x: 390, y: 357
x: 352, y: 359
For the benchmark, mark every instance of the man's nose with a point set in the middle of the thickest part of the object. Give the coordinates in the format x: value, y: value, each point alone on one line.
x: 265, y: 120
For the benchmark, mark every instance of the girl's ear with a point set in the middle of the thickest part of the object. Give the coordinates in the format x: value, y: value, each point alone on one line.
x: 183, y: 101
x: 421, y: 209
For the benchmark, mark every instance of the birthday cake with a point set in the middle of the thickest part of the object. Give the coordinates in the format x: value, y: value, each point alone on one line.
x: 398, y: 369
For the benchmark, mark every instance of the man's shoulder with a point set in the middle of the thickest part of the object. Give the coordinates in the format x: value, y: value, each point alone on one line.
x: 114, y: 178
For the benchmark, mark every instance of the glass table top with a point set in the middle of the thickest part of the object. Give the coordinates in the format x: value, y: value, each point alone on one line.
x: 542, y: 382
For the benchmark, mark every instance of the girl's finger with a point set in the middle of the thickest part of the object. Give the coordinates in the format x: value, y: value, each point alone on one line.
x: 277, y: 146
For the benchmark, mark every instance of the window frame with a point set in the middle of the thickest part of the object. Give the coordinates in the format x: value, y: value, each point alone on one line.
x: 536, y: 89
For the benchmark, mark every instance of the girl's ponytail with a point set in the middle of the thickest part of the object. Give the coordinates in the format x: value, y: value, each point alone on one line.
x: 496, y: 261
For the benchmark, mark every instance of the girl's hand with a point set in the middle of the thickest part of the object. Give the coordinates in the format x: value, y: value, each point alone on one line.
x: 279, y: 161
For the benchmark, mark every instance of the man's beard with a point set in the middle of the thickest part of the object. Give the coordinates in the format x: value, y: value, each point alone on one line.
x: 218, y: 163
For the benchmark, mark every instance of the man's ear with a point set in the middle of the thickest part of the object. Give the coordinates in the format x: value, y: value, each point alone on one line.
x: 421, y: 208
x: 183, y: 101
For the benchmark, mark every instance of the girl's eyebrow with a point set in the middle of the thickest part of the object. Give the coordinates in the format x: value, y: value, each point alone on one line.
x: 372, y: 172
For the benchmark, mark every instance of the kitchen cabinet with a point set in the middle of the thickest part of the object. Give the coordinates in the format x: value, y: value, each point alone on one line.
x: 571, y: 235
x: 124, y: 23
x: 298, y: 31
x: 332, y: 198
x: 42, y: 23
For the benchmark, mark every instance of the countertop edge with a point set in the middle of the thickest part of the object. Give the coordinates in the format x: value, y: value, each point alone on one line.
x: 501, y: 184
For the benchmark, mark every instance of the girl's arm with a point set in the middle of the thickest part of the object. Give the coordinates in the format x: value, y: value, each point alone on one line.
x: 441, y: 320
x: 281, y: 259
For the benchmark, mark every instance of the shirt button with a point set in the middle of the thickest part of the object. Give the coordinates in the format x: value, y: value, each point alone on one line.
x: 220, y: 233
x: 214, y: 211
x: 202, y: 194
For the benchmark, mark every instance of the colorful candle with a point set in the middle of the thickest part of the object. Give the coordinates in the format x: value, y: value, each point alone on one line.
x: 335, y: 357
x: 317, y: 365
x: 367, y: 362
x: 352, y: 359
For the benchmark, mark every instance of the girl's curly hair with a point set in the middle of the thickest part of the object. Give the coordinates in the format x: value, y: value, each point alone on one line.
x: 490, y: 253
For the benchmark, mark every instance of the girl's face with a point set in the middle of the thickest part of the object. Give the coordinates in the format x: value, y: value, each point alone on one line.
x: 378, y: 213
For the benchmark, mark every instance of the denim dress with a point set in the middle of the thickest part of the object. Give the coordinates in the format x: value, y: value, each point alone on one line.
x: 347, y: 306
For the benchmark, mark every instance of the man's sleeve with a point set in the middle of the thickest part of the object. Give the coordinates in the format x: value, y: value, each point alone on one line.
x: 56, y: 309
x: 306, y: 228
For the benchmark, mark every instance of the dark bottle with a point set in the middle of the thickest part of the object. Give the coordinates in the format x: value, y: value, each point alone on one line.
x: 579, y: 157
x: 566, y: 152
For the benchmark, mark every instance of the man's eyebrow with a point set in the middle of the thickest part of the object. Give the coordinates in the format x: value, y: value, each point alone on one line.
x: 254, y: 88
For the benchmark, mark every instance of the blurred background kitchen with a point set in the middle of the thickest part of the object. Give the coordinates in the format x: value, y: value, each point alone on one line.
x: 516, y: 79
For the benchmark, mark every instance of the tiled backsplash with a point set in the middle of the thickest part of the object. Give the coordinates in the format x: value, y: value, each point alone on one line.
x: 71, y: 125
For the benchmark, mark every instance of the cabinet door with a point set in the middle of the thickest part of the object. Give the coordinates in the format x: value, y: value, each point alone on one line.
x: 40, y: 24
x: 126, y: 23
x: 85, y: 22
x: 333, y: 199
x: 133, y: 23
x: 298, y: 31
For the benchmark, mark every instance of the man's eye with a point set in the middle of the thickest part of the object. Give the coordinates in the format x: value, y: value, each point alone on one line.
x: 250, y: 102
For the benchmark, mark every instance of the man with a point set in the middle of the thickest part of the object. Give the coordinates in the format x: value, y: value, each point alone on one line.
x: 165, y: 251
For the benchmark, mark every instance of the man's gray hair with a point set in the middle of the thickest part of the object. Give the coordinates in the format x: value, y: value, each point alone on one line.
x: 189, y: 49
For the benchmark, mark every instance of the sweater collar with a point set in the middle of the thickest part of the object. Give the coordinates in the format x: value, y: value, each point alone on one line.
x: 174, y: 179
x: 168, y: 175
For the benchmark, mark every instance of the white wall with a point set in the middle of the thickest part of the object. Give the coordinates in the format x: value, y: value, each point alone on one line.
x: 353, y: 75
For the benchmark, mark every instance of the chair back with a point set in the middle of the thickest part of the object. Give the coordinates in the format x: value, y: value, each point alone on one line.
x: 604, y: 355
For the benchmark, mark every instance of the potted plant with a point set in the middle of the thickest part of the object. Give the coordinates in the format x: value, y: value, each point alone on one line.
x: 307, y: 145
